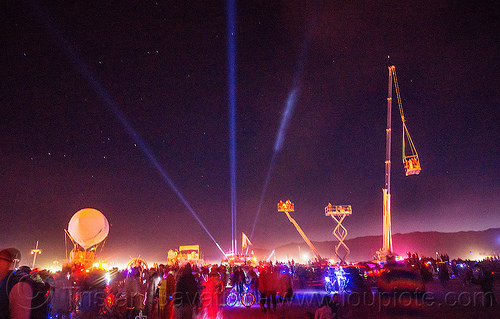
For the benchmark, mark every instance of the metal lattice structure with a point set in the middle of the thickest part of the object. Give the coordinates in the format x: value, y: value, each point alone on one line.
x: 338, y: 213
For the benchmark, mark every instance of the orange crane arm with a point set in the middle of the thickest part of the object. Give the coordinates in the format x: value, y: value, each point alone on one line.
x: 308, y: 242
x: 411, y: 162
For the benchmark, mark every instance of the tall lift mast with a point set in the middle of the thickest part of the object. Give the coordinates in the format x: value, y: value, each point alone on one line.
x: 387, y: 232
x: 411, y: 162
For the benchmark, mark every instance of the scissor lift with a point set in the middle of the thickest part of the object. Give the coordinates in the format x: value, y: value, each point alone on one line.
x: 338, y: 213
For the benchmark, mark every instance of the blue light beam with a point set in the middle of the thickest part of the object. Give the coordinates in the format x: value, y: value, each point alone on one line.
x: 264, y: 191
x: 288, y: 112
x: 278, y: 145
x: 285, y: 119
x: 231, y: 64
x: 87, y: 74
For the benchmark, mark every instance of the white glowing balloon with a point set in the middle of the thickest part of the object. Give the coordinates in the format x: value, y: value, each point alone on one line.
x: 88, y: 227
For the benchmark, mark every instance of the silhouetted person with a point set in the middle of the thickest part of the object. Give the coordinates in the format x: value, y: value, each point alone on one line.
x: 443, y: 274
x: 485, y: 280
x: 185, y: 297
x: 15, y: 295
x: 325, y: 309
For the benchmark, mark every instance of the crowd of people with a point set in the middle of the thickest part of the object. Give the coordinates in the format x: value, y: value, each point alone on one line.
x: 469, y: 272
x: 186, y: 291
x: 160, y: 292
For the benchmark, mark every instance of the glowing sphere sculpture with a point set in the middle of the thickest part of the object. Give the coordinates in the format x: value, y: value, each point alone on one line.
x: 88, y: 227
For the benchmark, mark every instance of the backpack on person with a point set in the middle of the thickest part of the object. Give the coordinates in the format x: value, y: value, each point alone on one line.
x: 41, y: 294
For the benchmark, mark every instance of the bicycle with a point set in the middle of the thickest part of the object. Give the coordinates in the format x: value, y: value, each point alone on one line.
x: 336, y: 281
x: 246, y: 298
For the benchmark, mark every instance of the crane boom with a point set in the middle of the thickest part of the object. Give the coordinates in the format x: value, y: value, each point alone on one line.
x: 387, y: 229
x: 308, y: 242
x: 411, y: 162
x: 287, y: 207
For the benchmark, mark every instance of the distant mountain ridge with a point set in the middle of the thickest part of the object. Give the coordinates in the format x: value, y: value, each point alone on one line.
x: 465, y: 244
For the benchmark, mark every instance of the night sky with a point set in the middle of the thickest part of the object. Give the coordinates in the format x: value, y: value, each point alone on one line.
x: 83, y: 82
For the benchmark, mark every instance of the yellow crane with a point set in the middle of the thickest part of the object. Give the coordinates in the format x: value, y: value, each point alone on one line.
x: 411, y: 161
x: 287, y: 207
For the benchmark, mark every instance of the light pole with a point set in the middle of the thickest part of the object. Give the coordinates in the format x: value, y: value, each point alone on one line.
x: 34, y: 252
x: 338, y: 213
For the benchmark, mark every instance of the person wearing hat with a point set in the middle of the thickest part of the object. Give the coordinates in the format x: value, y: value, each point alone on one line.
x: 15, y: 294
